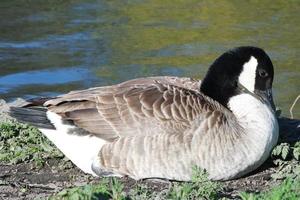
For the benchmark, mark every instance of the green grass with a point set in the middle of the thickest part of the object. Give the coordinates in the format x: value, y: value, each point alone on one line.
x: 286, y: 157
x: 85, y: 192
x: 288, y: 190
x: 107, y: 189
x: 287, y: 151
x: 24, y: 143
x: 199, y: 188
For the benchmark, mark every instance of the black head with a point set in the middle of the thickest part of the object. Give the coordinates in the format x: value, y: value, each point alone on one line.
x: 237, y: 69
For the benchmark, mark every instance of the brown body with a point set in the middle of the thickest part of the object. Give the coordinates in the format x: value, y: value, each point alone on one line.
x: 156, y: 127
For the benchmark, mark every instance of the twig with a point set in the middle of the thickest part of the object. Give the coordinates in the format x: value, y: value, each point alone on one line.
x: 35, y: 185
x: 293, y: 105
x: 44, y: 187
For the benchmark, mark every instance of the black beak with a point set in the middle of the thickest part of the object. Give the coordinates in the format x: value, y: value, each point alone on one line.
x: 267, y: 96
x: 264, y: 95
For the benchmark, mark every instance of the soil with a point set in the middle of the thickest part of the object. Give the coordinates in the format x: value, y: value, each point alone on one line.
x: 22, y: 181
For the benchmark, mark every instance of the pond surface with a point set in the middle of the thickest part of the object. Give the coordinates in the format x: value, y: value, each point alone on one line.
x: 48, y: 47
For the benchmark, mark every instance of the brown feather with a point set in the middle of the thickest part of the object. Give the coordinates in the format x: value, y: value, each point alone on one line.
x: 137, y: 107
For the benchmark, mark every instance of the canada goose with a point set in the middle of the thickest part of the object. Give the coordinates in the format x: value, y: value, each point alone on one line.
x: 160, y: 127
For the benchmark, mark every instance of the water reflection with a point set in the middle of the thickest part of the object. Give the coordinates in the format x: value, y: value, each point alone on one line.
x: 113, y: 41
x: 46, y: 77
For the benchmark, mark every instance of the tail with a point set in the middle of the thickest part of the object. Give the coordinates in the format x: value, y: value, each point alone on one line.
x: 35, y: 116
x: 32, y: 113
x: 81, y: 149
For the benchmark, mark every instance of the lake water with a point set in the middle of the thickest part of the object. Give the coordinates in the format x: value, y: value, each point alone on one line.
x: 48, y: 47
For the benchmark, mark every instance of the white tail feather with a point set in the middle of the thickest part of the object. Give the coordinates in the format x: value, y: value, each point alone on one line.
x: 80, y: 149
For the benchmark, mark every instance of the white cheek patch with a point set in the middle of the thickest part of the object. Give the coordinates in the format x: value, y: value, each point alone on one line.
x: 247, y: 77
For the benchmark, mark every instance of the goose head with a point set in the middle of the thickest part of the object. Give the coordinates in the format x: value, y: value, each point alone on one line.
x: 237, y: 71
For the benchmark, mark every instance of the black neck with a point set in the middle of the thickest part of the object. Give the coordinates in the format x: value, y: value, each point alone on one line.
x: 220, y: 82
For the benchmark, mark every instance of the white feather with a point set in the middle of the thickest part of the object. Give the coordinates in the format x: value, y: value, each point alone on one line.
x: 260, y: 125
x: 247, y: 76
x: 80, y: 149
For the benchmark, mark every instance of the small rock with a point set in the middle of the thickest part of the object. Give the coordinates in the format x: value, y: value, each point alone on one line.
x: 18, y: 102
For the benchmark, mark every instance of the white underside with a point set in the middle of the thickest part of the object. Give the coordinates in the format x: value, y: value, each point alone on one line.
x: 80, y: 149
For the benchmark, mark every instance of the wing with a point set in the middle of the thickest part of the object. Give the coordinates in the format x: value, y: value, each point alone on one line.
x: 141, y: 106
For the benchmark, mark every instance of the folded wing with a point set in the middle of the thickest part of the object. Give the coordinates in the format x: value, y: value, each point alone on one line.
x: 142, y: 106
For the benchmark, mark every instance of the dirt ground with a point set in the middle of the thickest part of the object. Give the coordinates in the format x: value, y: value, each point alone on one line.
x: 22, y: 181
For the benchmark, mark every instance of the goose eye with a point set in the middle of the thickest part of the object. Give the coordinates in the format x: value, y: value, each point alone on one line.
x: 262, y: 73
